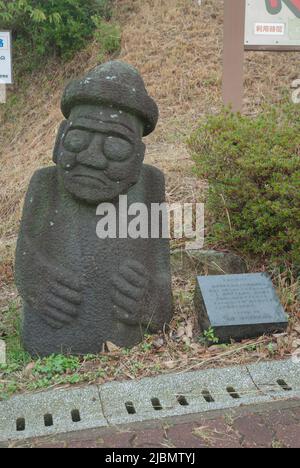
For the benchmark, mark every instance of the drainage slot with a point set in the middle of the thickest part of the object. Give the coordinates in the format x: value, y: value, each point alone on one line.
x: 76, y: 416
x: 207, y: 396
x: 130, y: 407
x: 48, y: 420
x: 284, y: 385
x: 233, y: 393
x: 156, y: 404
x: 182, y: 400
x: 21, y: 425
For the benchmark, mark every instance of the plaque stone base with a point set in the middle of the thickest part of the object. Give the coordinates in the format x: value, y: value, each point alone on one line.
x: 238, y: 307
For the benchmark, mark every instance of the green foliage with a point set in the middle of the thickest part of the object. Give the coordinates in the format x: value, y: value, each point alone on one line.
x: 6, y: 391
x: 56, y: 365
x: 53, y: 27
x: 253, y: 168
x: 56, y: 370
x: 22, y: 374
x: 10, y: 326
x: 271, y: 349
x: 108, y: 36
x: 210, y: 336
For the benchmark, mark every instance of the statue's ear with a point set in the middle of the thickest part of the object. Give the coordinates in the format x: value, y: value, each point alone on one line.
x: 60, y: 134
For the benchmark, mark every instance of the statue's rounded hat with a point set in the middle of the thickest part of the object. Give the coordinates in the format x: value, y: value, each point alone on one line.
x: 117, y: 84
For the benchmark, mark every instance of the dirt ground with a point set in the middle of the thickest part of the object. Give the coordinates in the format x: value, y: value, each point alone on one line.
x: 177, y: 46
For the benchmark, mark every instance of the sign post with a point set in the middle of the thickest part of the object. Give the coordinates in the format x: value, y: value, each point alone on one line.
x: 233, y: 54
x: 259, y: 25
x: 5, y: 63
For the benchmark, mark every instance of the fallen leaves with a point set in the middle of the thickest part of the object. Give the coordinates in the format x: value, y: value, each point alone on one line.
x: 158, y: 343
x: 170, y: 364
x: 29, y: 369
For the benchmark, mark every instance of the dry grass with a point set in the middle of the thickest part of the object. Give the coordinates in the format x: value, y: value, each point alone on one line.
x: 177, y: 46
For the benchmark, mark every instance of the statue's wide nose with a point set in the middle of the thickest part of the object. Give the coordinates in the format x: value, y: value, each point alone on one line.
x: 93, y: 156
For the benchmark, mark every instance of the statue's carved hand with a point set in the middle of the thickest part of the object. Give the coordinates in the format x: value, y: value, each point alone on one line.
x: 130, y: 287
x: 61, y: 298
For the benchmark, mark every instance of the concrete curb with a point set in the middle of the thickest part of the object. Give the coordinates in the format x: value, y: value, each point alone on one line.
x: 151, y: 399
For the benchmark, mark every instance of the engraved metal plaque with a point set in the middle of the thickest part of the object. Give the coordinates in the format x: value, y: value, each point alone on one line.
x: 239, y: 306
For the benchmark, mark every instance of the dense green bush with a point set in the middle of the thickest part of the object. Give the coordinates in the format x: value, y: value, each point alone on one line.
x: 53, y: 27
x: 253, y: 167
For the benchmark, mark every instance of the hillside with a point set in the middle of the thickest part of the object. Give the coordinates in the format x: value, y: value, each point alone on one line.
x: 177, y: 46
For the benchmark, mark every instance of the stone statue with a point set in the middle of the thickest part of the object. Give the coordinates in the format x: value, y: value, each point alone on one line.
x: 80, y: 291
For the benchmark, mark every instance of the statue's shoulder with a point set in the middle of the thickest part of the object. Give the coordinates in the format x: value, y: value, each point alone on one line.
x: 44, y: 178
x: 155, y: 182
x: 153, y: 174
x: 42, y: 186
x: 39, y: 200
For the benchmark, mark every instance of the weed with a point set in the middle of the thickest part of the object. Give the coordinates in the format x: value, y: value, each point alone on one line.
x: 56, y: 364
x: 210, y: 336
x: 10, y: 329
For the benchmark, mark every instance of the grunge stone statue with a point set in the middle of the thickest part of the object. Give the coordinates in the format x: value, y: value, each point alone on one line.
x: 80, y: 290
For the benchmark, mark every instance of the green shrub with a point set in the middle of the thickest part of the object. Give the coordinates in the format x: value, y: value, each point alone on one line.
x: 253, y: 168
x: 108, y: 36
x: 53, y: 27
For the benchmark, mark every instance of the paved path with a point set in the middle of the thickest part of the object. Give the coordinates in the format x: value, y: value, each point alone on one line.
x: 268, y: 426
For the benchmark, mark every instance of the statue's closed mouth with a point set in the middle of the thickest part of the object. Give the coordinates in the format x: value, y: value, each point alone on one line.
x: 89, y: 177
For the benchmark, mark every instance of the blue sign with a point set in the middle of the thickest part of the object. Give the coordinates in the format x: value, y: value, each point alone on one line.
x: 5, y: 58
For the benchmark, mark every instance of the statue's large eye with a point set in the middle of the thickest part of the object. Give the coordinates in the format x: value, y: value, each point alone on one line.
x: 117, y: 149
x: 77, y: 141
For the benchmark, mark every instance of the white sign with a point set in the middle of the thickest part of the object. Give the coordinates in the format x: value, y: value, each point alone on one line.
x: 272, y: 23
x: 5, y: 58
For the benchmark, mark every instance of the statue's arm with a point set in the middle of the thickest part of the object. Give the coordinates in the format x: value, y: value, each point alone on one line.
x: 29, y: 259
x: 142, y: 292
x: 48, y: 288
